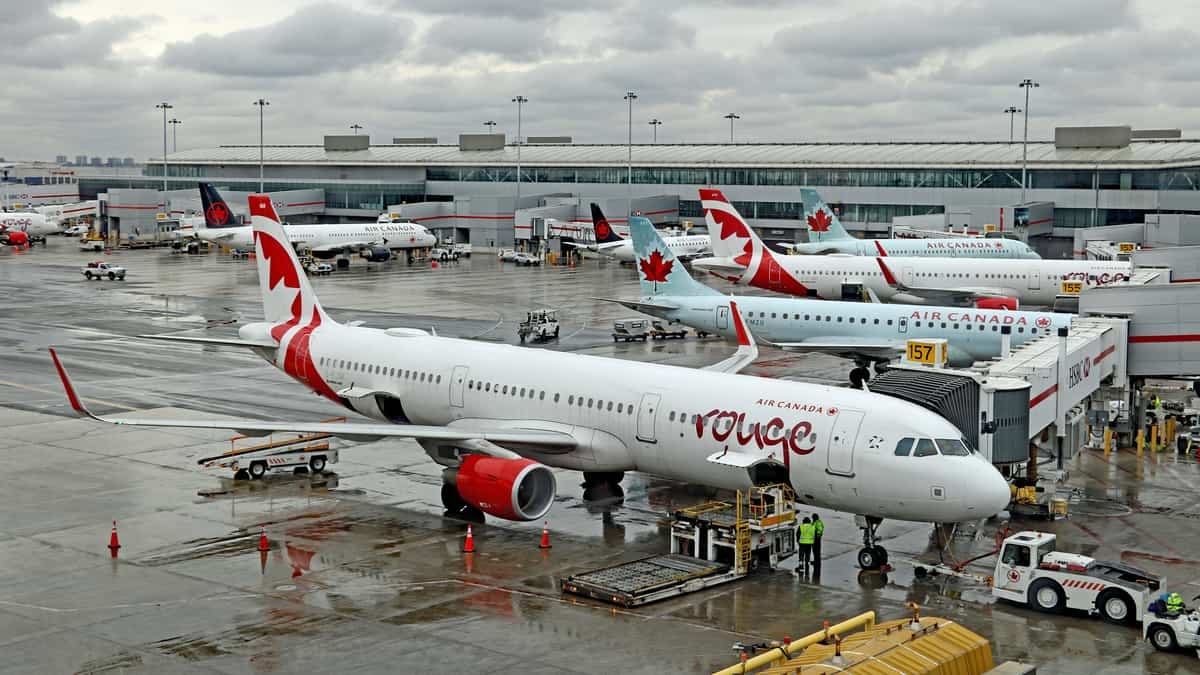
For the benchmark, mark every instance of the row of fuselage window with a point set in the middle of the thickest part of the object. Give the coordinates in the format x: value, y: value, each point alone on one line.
x: 371, y: 369
x: 937, y: 275
x: 915, y: 323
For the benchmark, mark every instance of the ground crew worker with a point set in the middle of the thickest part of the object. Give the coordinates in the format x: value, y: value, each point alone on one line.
x: 1174, y: 603
x: 805, y: 534
x: 818, y: 532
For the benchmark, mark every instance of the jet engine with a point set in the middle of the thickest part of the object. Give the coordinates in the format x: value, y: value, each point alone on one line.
x: 1010, y: 304
x: 14, y: 238
x: 513, y: 489
x: 327, y: 254
x: 376, y: 254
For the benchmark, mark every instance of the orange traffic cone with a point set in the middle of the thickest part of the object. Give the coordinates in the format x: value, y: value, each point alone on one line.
x: 114, y: 544
x: 469, y: 543
x: 434, y: 264
x: 263, y: 544
x: 545, y: 536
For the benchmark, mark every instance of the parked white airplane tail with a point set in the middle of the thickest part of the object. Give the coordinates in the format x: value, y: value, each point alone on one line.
x: 823, y: 223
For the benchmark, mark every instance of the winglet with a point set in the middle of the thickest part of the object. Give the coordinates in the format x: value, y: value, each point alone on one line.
x: 887, y: 274
x: 747, y: 350
x: 72, y: 397
x: 743, y: 335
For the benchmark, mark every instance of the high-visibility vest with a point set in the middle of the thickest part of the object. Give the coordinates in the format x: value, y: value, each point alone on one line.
x: 1174, y: 601
x: 819, y: 526
x: 808, y: 533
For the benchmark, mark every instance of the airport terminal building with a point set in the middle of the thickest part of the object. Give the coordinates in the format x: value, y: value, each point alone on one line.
x: 1090, y: 175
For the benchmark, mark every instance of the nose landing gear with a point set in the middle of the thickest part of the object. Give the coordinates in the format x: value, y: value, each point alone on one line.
x: 872, y: 556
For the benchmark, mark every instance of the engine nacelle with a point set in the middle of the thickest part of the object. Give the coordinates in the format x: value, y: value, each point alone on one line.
x: 325, y: 255
x: 1010, y: 304
x: 376, y: 254
x: 513, y: 489
x: 15, y: 238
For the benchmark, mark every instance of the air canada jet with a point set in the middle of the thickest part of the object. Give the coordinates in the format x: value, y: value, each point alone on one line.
x: 497, y: 417
x: 610, y: 244
x: 741, y: 257
x: 863, y: 332
x: 826, y: 235
x: 375, y: 241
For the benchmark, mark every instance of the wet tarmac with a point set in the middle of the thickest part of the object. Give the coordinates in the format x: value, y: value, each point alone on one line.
x: 363, y: 572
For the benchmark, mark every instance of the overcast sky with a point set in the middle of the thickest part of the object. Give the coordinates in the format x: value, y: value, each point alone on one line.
x: 82, y: 77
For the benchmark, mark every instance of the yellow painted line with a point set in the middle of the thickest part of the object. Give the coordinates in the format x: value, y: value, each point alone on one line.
x: 41, y: 390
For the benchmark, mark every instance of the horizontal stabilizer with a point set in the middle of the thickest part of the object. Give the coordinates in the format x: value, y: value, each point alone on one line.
x: 221, y: 342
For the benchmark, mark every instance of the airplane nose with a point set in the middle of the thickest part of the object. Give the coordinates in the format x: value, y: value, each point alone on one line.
x: 991, y: 494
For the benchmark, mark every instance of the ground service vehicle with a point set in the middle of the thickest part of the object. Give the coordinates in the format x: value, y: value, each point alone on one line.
x: 664, y: 331
x: 527, y: 259
x: 1030, y: 570
x: 100, y: 270
x: 319, y: 269
x: 507, y: 255
x: 443, y: 254
x: 91, y: 242
x: 1168, y: 632
x: 539, y: 326
x: 630, y: 330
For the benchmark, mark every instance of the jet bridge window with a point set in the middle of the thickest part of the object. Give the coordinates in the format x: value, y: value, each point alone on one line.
x: 904, y: 447
x: 925, y: 448
x: 953, y: 447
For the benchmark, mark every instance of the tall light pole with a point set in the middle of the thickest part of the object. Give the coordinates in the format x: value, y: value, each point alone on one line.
x: 731, y: 117
x: 262, y: 104
x: 491, y: 125
x: 174, y: 133
x: 519, y: 100
x: 630, y: 97
x: 654, y: 124
x: 1011, y: 111
x: 1025, y: 84
x: 355, y: 127
x: 164, y: 106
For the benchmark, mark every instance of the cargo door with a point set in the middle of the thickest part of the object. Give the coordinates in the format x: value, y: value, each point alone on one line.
x: 647, y: 413
x: 841, y: 442
x: 457, y: 383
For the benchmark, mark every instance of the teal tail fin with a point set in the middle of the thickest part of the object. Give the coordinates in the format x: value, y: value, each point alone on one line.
x: 659, y: 271
x: 823, y: 223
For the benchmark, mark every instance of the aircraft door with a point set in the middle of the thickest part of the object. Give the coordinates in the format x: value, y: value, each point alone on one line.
x: 457, y: 383
x: 647, y: 412
x: 1035, y: 279
x: 841, y: 442
x: 723, y: 316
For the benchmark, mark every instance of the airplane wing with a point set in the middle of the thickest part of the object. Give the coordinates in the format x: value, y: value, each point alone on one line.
x: 250, y: 344
x: 640, y: 306
x: 958, y: 295
x: 544, y: 440
x: 222, y: 236
x: 847, y: 346
x: 747, y: 350
x: 718, y: 265
x: 343, y: 245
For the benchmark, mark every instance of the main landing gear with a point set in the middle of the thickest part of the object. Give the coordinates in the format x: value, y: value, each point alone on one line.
x: 860, y: 375
x: 456, y: 507
x: 602, y: 485
x: 872, y: 556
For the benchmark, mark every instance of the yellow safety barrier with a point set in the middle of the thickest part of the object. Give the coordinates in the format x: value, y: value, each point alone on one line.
x: 1108, y: 437
x: 1170, y: 433
x: 1141, y: 441
x: 864, y: 621
x: 1154, y: 438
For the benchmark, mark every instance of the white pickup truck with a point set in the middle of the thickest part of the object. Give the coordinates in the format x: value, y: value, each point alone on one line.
x: 100, y: 270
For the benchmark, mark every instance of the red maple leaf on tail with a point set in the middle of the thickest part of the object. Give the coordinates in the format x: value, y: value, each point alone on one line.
x: 655, y: 269
x: 819, y: 221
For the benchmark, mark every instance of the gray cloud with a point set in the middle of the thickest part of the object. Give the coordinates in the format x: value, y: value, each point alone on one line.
x: 518, y: 40
x: 34, y: 36
x: 492, y: 8
x: 644, y: 27
x: 322, y: 38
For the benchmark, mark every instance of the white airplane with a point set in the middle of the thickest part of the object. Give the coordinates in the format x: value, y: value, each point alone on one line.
x: 864, y: 332
x: 740, y: 256
x: 375, y: 241
x: 498, y: 416
x: 826, y: 235
x: 34, y: 225
x: 610, y: 244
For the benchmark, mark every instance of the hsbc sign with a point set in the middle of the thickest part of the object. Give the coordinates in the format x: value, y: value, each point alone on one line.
x: 1079, y: 372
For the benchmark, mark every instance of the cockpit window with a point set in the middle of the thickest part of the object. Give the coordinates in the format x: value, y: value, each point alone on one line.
x: 953, y: 447
x: 925, y: 448
x: 903, y: 447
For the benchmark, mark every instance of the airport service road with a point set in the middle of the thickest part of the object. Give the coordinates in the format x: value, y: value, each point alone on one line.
x: 363, y: 572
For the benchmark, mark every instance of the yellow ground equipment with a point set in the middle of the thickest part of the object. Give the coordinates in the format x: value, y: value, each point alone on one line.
x: 913, y: 645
